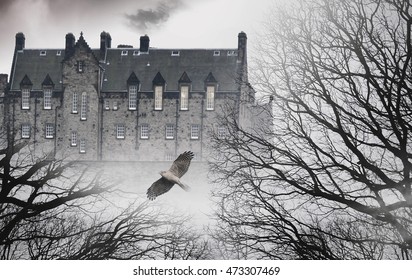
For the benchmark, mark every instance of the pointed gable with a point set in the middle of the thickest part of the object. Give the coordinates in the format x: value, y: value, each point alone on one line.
x: 47, y: 81
x: 184, y: 79
x: 26, y: 81
x: 133, y: 80
x: 210, y: 79
x: 158, y: 80
x: 82, y: 42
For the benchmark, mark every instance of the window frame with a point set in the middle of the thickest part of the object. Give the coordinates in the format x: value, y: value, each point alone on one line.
x: 195, y: 132
x: 25, y: 131
x: 25, y: 99
x: 83, y: 107
x: 170, y: 132
x: 144, y: 133
x: 158, y: 98
x: 73, y: 139
x: 133, y: 89
x: 184, y: 98
x: 75, y: 103
x: 210, y: 97
x: 47, y: 98
x: 82, y: 146
x: 49, y: 131
x: 120, y: 131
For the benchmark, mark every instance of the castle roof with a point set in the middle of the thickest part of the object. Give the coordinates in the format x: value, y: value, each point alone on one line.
x: 201, y: 65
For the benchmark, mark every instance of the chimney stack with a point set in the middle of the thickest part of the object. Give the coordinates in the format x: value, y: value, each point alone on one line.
x: 242, y: 44
x: 20, y: 41
x: 144, y: 44
x: 70, y: 42
x: 105, y: 43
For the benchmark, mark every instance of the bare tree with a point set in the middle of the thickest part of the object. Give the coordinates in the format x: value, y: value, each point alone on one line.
x: 53, y: 209
x: 331, y: 178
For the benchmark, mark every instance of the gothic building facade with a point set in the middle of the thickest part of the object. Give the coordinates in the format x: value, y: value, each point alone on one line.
x: 124, y: 103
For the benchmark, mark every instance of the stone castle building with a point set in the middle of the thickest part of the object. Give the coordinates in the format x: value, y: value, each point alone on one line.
x: 124, y: 103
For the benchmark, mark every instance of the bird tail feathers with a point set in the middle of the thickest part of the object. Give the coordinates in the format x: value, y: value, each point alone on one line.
x: 184, y: 186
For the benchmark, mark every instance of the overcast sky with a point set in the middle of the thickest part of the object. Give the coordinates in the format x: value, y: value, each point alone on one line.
x: 169, y: 23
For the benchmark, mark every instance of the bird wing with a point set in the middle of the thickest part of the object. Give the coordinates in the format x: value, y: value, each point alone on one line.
x: 181, y: 164
x: 159, y: 187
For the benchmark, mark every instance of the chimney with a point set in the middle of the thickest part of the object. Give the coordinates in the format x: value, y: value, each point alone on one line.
x: 70, y: 42
x: 242, y: 42
x: 144, y: 44
x: 20, y: 41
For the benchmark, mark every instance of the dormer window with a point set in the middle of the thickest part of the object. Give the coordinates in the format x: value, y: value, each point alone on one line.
x: 184, y: 98
x: 231, y: 53
x: 158, y: 97
x: 59, y: 53
x: 175, y: 53
x: 216, y: 53
x: 80, y: 66
x: 47, y: 94
x: 43, y: 53
x: 25, y: 98
x: 124, y: 53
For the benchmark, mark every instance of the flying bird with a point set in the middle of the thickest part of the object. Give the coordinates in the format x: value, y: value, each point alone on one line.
x: 172, y: 176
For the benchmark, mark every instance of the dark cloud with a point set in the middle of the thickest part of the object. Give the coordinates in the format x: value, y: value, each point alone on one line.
x: 5, y: 5
x: 145, y: 19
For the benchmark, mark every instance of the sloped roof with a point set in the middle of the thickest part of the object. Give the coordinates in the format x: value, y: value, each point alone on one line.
x: 197, y: 63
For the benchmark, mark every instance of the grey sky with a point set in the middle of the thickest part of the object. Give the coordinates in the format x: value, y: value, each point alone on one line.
x: 169, y: 23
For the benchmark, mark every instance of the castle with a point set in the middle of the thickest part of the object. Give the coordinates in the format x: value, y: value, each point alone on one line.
x: 124, y: 103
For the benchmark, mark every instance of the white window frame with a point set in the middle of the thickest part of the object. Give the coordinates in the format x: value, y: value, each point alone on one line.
x: 158, y: 98
x: 170, y: 157
x: 133, y: 97
x: 115, y: 106
x: 49, y: 131
x: 73, y: 140
x: 25, y: 131
x: 47, y: 94
x: 184, y: 98
x: 82, y: 146
x: 80, y: 66
x: 210, y: 98
x: 170, y: 132
x: 144, y: 131
x: 195, y: 131
x: 25, y: 99
x: 120, y: 131
x: 83, y: 107
x: 107, y: 104
x: 75, y: 102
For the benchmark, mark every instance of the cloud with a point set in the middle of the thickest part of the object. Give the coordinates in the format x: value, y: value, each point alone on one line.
x: 145, y: 19
x: 5, y: 5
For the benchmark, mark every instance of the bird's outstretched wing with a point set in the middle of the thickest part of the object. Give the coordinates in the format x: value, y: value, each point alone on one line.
x: 181, y: 164
x: 159, y: 187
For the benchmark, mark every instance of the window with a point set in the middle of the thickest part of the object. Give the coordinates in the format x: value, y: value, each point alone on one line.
x: 82, y: 145
x: 231, y: 53
x: 158, y: 97
x: 25, y: 99
x: 144, y: 131
x: 115, y: 106
x: 49, y: 131
x: 216, y: 53
x: 74, y: 102
x: 124, y: 53
x: 25, y: 131
x: 175, y: 53
x: 43, y: 53
x: 132, y: 97
x: 120, y: 131
x: 221, y: 132
x: 210, y: 98
x: 107, y: 104
x: 73, y: 140
x: 83, y: 109
x: 195, y: 131
x: 59, y: 53
x: 184, y: 97
x: 80, y: 66
x: 170, y: 157
x: 47, y: 94
x: 170, y: 131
